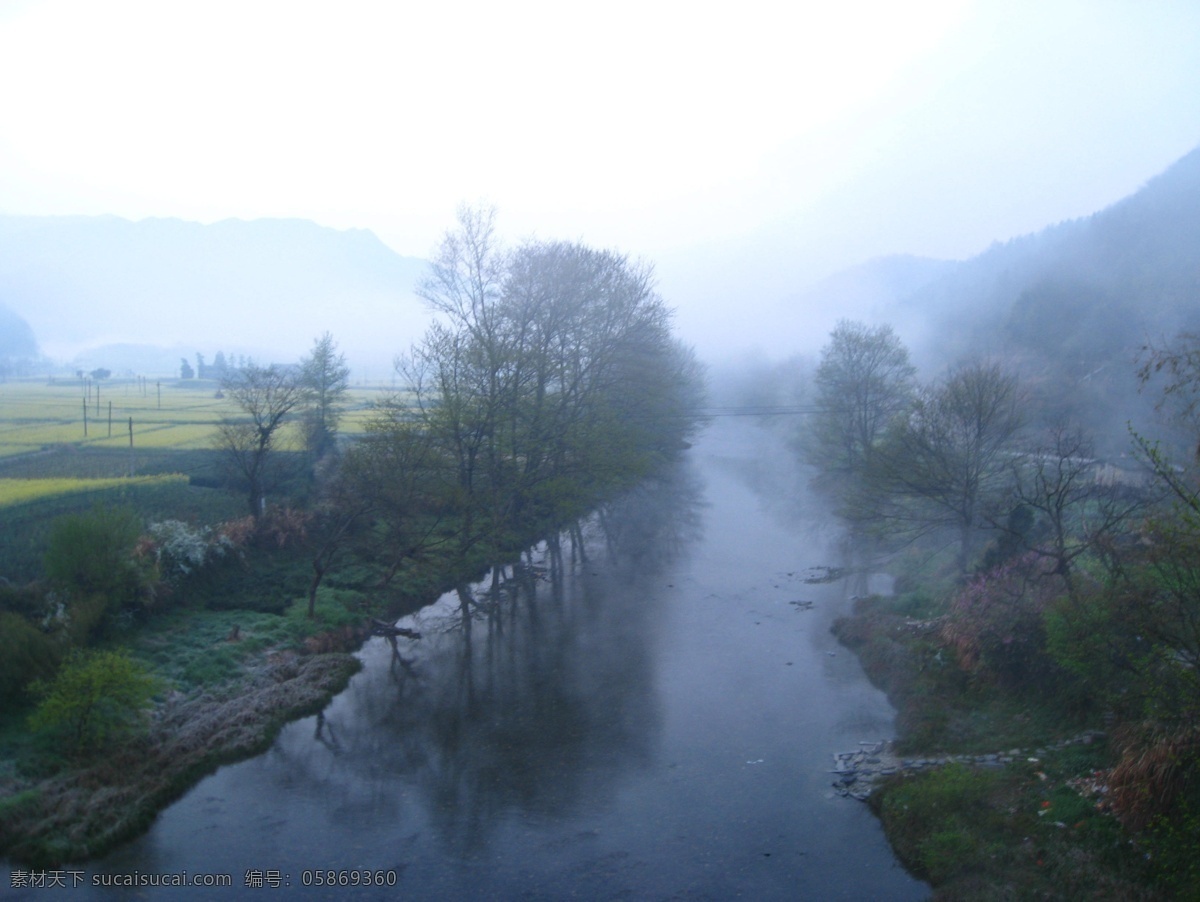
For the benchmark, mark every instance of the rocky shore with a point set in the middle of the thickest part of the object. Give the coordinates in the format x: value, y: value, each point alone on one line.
x: 858, y: 773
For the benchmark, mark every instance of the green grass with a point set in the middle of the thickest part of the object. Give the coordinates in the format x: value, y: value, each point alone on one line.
x: 21, y: 491
x: 36, y: 415
x: 1019, y: 832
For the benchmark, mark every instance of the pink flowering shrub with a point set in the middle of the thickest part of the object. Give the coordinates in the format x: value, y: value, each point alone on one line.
x: 995, y: 625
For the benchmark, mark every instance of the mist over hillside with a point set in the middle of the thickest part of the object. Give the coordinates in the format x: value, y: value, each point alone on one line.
x: 17, y: 341
x: 1072, y: 303
x: 1071, y: 307
x: 263, y: 288
x: 1105, y: 283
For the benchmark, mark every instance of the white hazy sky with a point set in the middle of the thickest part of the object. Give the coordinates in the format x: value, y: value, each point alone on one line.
x: 748, y: 148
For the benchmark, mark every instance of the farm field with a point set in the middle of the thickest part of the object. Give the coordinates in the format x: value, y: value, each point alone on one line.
x: 19, y: 491
x: 49, y: 468
x: 37, y: 415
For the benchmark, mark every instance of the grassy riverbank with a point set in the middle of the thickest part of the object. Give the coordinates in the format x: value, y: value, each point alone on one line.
x: 83, y: 809
x: 231, y: 679
x: 1038, y: 826
x: 236, y: 657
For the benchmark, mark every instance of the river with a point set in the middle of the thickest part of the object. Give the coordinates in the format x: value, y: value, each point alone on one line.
x: 651, y: 715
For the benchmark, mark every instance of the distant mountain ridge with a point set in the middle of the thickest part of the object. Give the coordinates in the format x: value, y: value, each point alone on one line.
x: 264, y: 287
x: 1070, y: 307
x: 17, y: 341
x: 1106, y: 282
x: 1079, y: 290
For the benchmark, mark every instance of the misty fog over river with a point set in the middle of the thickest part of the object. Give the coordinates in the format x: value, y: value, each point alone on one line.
x: 657, y: 721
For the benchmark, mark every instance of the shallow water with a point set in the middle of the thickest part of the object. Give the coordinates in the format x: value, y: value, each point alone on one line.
x: 656, y: 721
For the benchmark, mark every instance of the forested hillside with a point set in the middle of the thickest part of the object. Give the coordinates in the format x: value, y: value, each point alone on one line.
x: 1071, y: 306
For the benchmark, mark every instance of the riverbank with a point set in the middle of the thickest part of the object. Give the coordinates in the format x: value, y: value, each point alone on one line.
x: 1029, y: 821
x: 83, y: 811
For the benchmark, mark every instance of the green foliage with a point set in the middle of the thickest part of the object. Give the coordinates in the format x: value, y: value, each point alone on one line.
x: 995, y: 625
x: 26, y: 654
x: 1087, y: 638
x: 325, y: 380
x: 1173, y: 841
x: 90, y: 552
x: 90, y: 559
x: 936, y: 817
x: 93, y: 699
x: 864, y: 380
x: 16, y: 805
x: 919, y: 604
x: 24, y: 539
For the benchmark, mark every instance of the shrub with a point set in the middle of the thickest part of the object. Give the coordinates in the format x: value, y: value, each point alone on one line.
x: 26, y: 654
x: 90, y: 556
x: 94, y: 698
x: 995, y: 623
x: 181, y: 550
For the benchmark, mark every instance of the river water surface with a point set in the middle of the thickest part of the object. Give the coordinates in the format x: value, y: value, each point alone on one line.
x: 654, y: 721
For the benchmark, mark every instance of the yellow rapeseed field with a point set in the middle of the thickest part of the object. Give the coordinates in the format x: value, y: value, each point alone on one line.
x: 20, y: 491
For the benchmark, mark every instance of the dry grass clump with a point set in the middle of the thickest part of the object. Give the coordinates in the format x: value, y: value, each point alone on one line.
x: 1152, y: 773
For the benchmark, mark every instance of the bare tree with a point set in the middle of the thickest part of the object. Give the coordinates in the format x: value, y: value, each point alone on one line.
x: 551, y: 378
x: 265, y: 396
x: 1074, y: 513
x: 947, y: 459
x: 864, y: 380
x: 1179, y: 363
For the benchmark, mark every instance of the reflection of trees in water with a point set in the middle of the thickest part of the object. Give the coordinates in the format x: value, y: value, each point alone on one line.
x: 858, y: 553
x: 530, y: 690
x: 653, y: 524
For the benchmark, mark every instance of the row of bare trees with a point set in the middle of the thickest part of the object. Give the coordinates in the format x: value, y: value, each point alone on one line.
x: 910, y: 459
x: 962, y: 458
x: 548, y: 380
